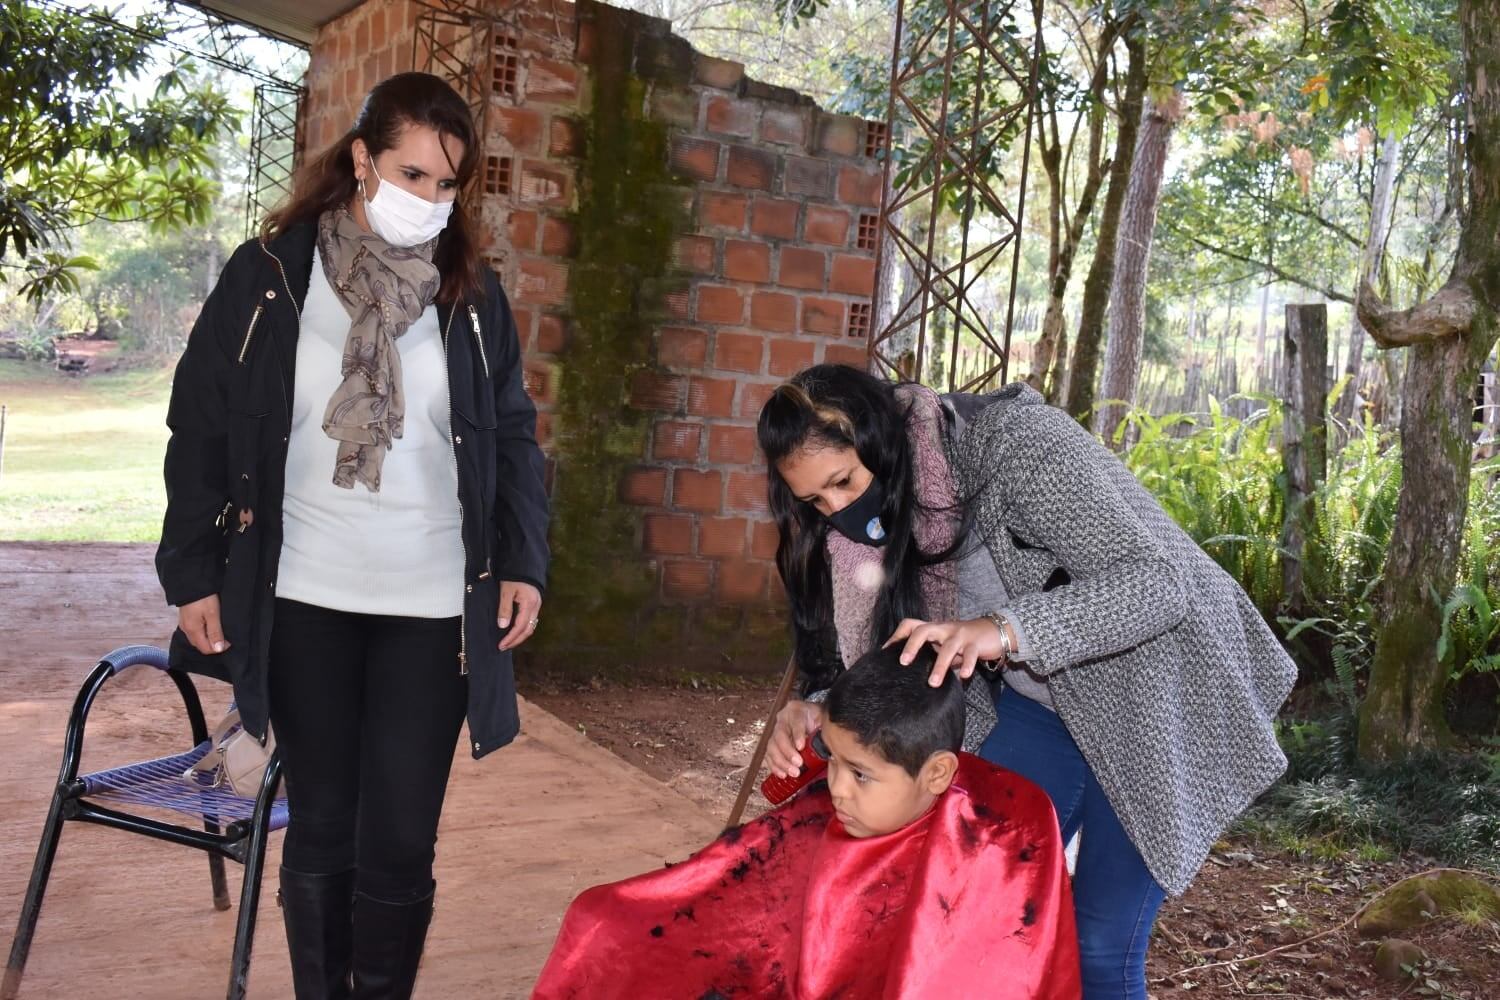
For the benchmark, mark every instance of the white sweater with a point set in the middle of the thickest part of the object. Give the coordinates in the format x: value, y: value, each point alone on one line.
x: 396, y: 552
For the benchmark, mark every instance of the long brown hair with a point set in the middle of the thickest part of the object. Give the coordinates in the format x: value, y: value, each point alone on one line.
x: 394, y: 104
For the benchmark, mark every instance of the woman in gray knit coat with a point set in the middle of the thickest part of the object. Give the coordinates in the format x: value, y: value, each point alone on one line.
x: 1134, y: 680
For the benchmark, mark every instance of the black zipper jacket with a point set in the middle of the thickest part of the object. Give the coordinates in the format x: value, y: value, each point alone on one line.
x: 230, y: 417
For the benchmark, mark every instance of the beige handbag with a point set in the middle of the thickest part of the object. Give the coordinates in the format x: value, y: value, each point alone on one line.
x: 235, y: 759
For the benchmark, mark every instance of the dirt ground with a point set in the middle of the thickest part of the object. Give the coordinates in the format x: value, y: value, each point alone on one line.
x: 1248, y: 900
x: 697, y: 741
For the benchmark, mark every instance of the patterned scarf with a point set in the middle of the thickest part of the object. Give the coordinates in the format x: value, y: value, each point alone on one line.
x: 383, y: 289
x: 857, y: 569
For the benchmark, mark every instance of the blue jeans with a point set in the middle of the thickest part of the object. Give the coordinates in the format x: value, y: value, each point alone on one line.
x: 1114, y: 895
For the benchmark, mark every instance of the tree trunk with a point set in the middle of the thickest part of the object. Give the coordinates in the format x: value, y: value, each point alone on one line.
x: 1403, y: 706
x: 1304, y: 454
x: 1058, y: 270
x: 1221, y: 347
x: 1052, y: 344
x: 1369, y: 268
x: 901, y: 347
x: 1450, y: 335
x: 1050, y: 348
x: 1260, y: 336
x: 211, y: 267
x: 936, y: 346
x: 1085, y: 364
x: 1127, y: 317
x: 1393, y: 376
x: 887, y: 283
x: 1237, y: 407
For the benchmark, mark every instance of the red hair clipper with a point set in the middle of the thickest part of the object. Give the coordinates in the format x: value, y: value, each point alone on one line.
x: 777, y: 789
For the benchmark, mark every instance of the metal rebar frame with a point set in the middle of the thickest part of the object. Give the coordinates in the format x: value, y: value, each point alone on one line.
x: 454, y: 40
x: 962, y: 79
x: 276, y: 142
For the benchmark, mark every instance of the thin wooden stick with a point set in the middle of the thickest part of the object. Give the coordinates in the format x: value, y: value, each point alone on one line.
x: 753, y: 772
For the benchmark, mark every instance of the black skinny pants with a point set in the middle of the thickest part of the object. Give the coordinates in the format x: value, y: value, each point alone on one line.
x: 367, y: 711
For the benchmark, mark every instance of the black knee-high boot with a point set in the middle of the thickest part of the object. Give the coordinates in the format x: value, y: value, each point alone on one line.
x: 388, y: 941
x: 317, y: 910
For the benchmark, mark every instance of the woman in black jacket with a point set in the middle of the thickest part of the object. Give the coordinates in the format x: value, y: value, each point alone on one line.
x: 355, y: 531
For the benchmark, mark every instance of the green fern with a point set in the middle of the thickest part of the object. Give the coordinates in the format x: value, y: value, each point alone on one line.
x: 1220, y: 478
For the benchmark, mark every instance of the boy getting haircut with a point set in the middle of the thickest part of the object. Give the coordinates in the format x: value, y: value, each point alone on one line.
x: 913, y: 872
x: 891, y: 741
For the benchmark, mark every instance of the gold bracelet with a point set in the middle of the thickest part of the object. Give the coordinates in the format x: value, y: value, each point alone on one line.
x: 1000, y: 623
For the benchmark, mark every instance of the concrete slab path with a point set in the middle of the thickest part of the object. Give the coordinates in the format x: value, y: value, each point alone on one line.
x: 523, y: 832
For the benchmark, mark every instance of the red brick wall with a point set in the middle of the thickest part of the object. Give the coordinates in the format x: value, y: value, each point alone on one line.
x: 349, y: 56
x: 777, y: 264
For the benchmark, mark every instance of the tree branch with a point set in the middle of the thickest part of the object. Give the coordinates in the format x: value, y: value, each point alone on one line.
x: 1328, y: 224
x: 1327, y: 291
x: 1097, y: 164
x: 1083, y: 42
x: 1449, y: 312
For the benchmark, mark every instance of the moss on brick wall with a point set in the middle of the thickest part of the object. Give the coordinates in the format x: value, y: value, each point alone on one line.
x: 626, y: 223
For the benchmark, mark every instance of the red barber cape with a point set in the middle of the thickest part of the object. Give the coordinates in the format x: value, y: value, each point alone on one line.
x: 971, y: 900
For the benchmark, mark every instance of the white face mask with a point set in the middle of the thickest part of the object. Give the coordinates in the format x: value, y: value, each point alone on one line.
x: 401, y: 218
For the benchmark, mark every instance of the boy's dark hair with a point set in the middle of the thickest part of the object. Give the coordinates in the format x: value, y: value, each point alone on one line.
x: 891, y: 708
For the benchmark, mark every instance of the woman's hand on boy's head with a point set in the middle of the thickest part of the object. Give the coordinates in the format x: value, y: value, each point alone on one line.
x: 791, y: 729
x: 962, y: 644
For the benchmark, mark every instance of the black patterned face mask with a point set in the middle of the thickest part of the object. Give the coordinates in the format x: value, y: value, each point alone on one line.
x: 860, y: 521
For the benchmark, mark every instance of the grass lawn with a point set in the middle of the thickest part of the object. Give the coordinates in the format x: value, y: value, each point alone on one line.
x: 82, y: 458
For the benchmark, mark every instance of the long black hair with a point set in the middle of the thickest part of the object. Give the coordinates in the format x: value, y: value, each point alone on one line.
x: 842, y: 407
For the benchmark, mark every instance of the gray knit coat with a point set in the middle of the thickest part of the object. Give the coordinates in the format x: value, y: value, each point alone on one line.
x: 1164, y: 672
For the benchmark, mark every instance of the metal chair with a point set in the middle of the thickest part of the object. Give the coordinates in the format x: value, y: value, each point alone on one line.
x: 232, y: 826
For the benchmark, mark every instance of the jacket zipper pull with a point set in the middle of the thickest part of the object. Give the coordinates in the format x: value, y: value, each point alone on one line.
x: 250, y: 332
x: 479, y: 340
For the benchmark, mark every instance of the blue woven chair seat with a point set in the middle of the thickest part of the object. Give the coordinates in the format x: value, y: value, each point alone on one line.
x: 222, y: 824
x: 159, y: 783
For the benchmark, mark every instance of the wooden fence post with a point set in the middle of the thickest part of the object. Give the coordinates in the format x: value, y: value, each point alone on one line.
x: 1304, y: 454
